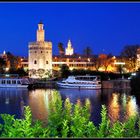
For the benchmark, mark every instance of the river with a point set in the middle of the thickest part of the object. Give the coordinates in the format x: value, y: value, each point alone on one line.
x: 120, y: 103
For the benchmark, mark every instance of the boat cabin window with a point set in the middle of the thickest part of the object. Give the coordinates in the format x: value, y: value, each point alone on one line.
x: 18, y: 82
x: 8, y: 81
x: 3, y: 82
x: 13, y: 81
x: 86, y: 78
x: 98, y: 78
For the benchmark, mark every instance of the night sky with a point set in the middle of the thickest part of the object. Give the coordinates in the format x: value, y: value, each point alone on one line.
x: 105, y: 27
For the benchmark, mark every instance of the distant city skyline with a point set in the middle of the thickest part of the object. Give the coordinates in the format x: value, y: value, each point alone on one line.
x: 106, y: 27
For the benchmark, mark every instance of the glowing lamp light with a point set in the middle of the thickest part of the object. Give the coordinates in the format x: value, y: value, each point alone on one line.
x: 6, y: 69
x: 119, y: 63
x: 133, y: 74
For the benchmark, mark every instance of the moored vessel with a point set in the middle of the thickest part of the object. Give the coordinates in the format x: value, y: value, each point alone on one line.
x: 81, y: 82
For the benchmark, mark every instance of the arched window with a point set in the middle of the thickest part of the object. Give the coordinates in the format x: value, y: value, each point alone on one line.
x: 46, y: 62
x: 35, y: 62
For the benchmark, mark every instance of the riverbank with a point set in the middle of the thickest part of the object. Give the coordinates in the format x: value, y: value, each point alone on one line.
x: 108, y: 84
x: 44, y: 84
x: 116, y: 84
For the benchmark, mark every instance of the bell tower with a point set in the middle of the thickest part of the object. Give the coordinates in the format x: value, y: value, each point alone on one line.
x: 40, y: 33
x: 69, y: 49
x: 40, y: 55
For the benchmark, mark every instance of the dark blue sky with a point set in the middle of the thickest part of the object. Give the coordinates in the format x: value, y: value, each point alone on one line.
x: 102, y: 26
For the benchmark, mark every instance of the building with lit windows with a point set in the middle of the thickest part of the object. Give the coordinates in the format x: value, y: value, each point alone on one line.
x: 138, y: 59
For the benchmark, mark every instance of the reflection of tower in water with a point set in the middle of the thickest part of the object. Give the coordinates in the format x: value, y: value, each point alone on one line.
x: 38, y: 102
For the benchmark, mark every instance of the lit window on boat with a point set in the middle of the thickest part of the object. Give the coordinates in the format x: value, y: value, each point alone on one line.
x: 8, y: 82
x: 3, y: 81
x: 13, y: 81
x: 18, y: 82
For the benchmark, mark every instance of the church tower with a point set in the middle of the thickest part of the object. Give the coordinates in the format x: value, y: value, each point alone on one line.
x: 40, y: 55
x: 69, y: 49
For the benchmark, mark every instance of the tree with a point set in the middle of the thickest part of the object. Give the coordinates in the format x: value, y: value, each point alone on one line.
x: 2, y: 64
x: 87, y: 51
x: 97, y: 62
x: 106, y: 60
x: 61, y: 49
x: 14, y: 61
x: 129, y: 54
x: 64, y: 71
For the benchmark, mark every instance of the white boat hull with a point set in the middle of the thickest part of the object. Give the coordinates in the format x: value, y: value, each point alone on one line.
x: 77, y: 86
x: 13, y: 86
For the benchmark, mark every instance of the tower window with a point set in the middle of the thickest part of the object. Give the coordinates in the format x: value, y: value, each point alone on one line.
x: 35, y: 62
x: 41, y: 51
x: 35, y: 51
x: 46, y: 62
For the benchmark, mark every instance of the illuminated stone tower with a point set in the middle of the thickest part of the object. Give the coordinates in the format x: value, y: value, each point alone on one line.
x: 69, y: 49
x: 40, y: 55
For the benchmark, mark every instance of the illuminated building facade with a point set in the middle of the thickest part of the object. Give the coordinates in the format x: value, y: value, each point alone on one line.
x: 82, y: 62
x: 40, y: 55
x: 138, y: 59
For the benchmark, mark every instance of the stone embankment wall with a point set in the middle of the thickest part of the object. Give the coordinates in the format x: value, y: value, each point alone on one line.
x: 116, y: 84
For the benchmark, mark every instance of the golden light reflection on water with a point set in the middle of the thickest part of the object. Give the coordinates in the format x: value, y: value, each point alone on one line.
x: 131, y: 107
x: 114, y: 107
x: 128, y: 106
x: 38, y: 102
x: 120, y: 106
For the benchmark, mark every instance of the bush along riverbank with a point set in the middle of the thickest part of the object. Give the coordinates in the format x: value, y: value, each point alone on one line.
x: 67, y: 120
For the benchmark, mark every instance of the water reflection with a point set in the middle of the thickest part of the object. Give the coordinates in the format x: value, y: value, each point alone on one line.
x: 12, y: 101
x: 38, y: 102
x: 131, y: 106
x: 121, y: 106
x: 120, y: 103
x: 114, y: 107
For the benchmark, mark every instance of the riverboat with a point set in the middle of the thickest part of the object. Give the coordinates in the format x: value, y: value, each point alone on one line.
x: 9, y: 81
x: 81, y: 82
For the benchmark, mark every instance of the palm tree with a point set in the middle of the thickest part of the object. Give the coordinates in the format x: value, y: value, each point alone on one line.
x: 61, y: 49
x: 87, y: 51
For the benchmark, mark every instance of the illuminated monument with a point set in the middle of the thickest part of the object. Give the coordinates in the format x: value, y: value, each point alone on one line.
x: 40, y: 55
x: 69, y: 49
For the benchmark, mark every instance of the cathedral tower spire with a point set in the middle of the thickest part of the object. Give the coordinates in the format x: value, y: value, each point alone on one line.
x: 69, y: 49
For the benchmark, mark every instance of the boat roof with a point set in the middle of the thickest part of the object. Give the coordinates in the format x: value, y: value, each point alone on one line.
x: 84, y: 76
x: 9, y: 76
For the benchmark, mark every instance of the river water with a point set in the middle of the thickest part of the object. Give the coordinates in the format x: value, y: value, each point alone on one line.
x: 120, y: 103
